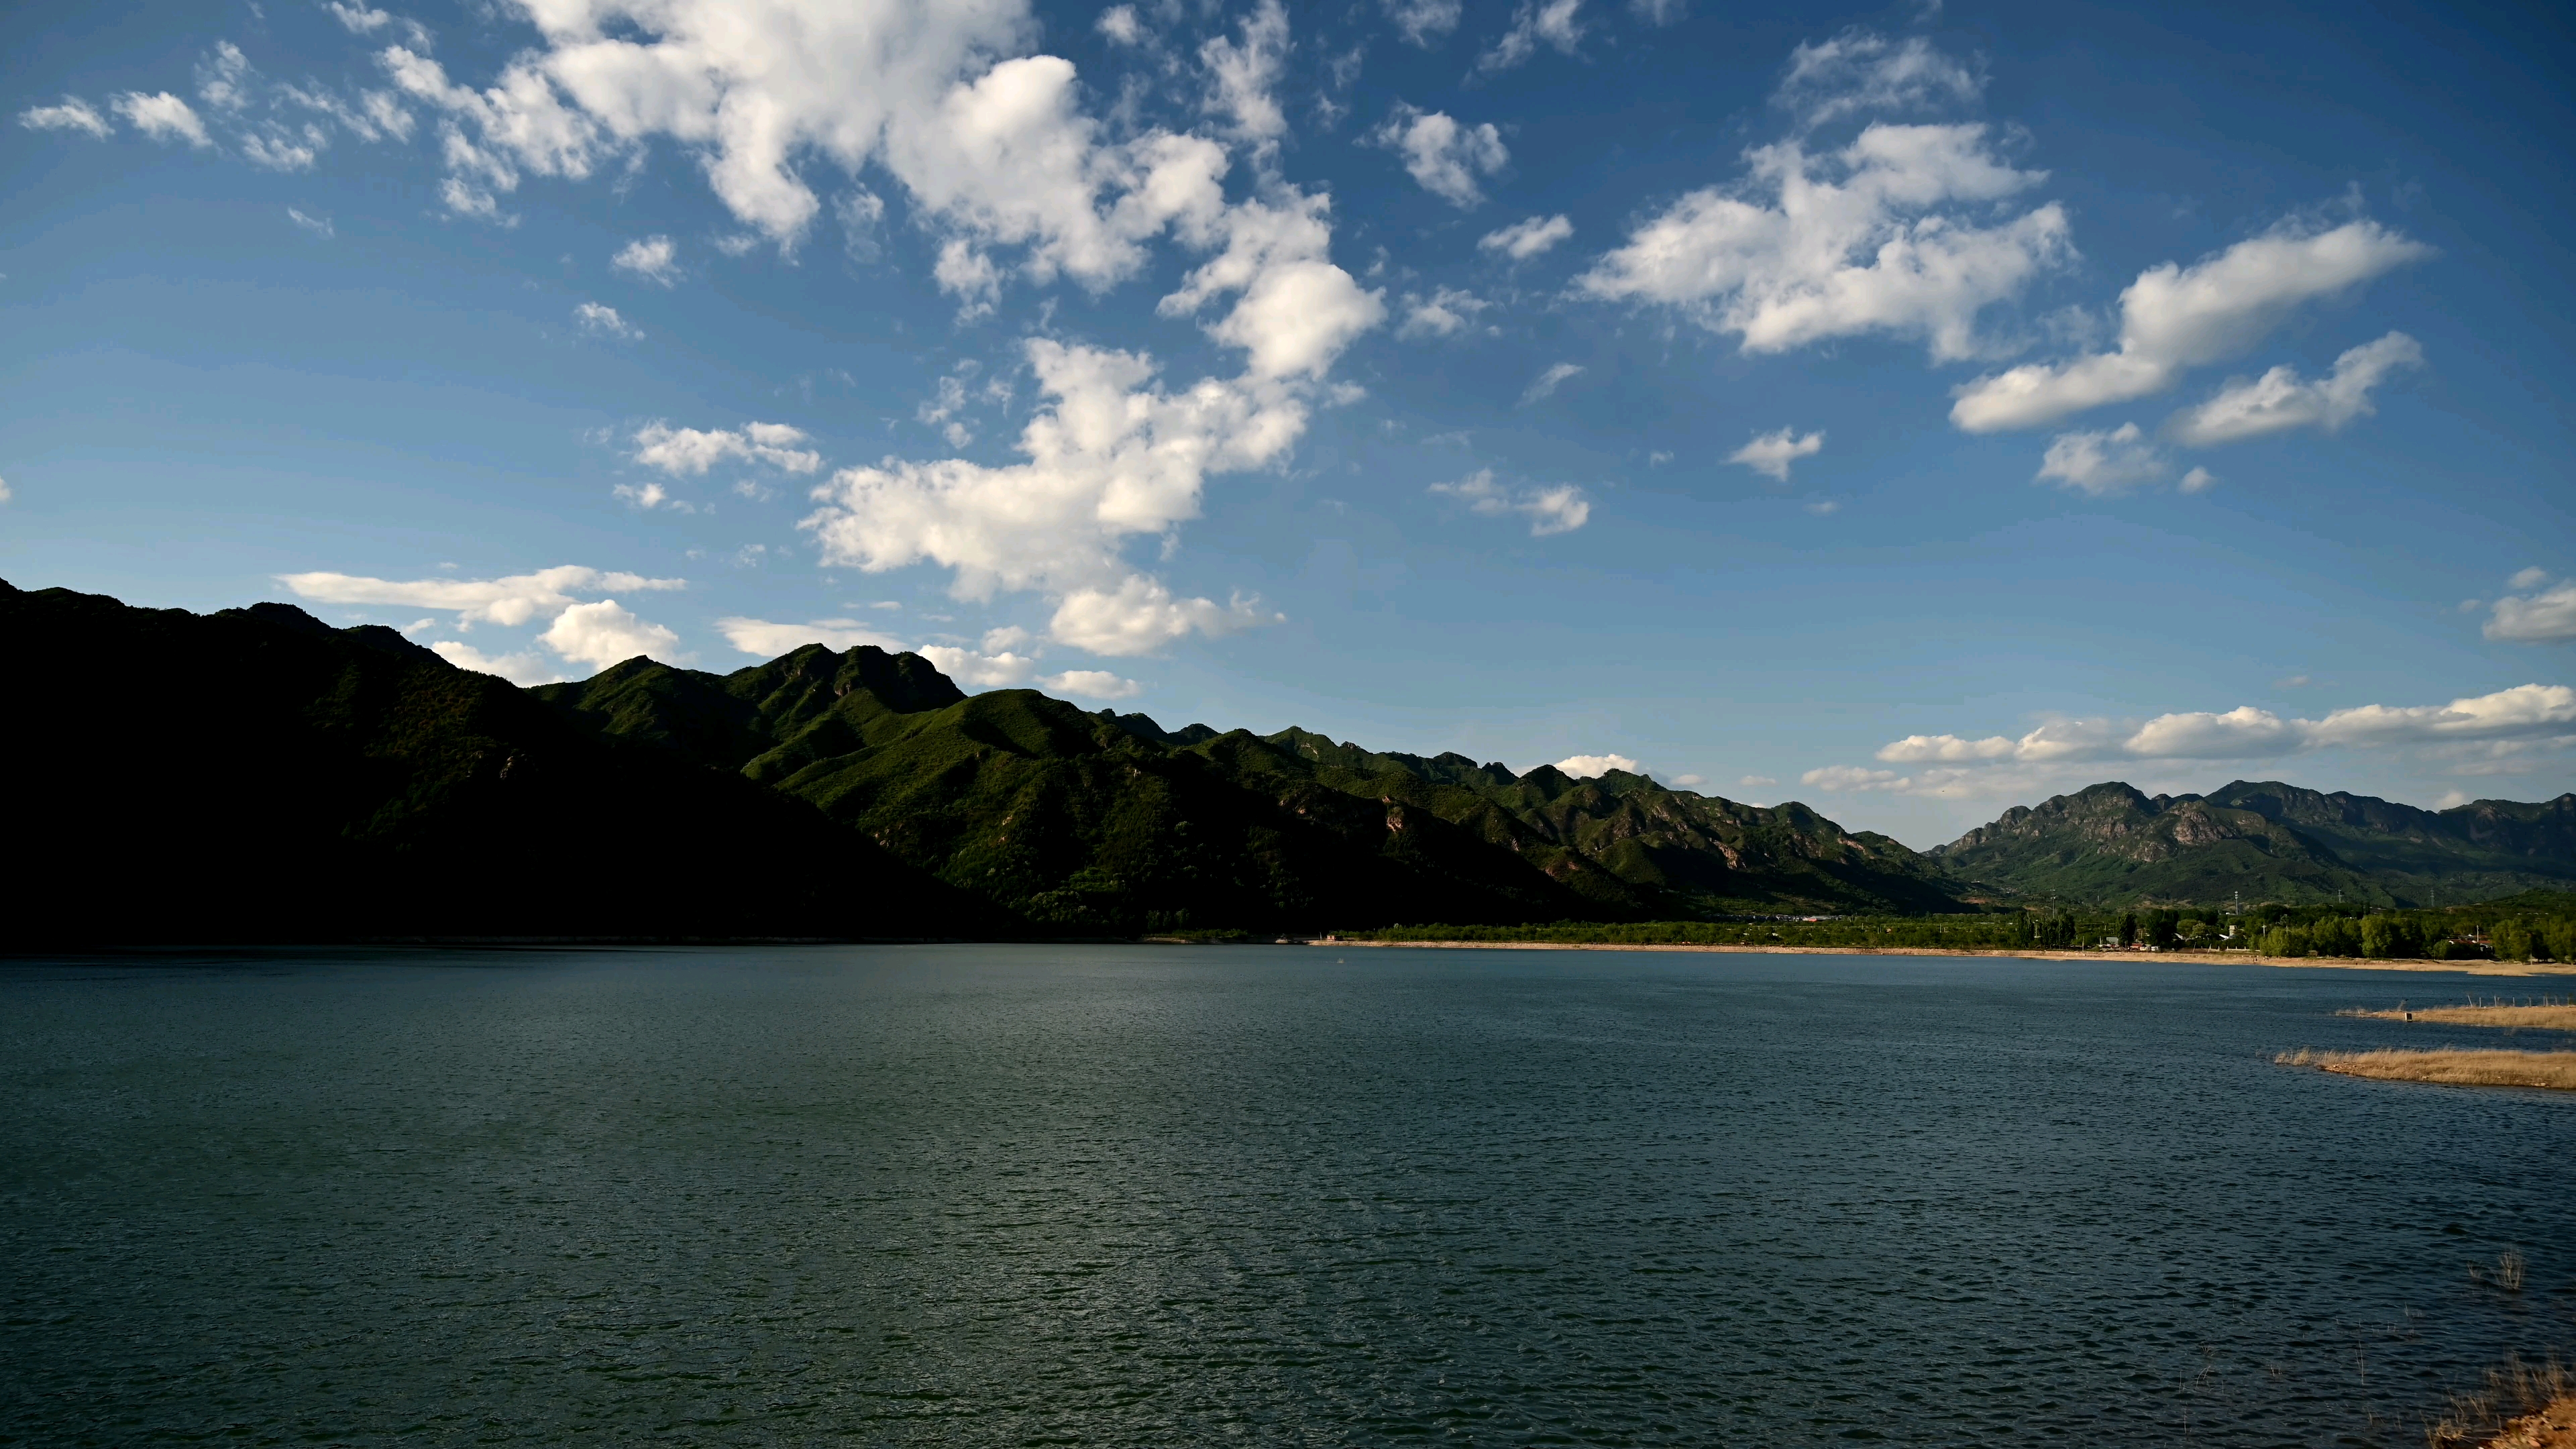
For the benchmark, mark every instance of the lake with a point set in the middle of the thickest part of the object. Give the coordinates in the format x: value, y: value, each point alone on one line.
x: 1018, y: 1195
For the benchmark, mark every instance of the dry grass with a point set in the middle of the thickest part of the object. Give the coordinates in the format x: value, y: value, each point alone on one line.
x: 2457, y: 1068
x: 2544, y: 1397
x: 2546, y: 1014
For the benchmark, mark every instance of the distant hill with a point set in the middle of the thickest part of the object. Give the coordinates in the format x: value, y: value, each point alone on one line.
x: 2109, y: 844
x: 256, y: 774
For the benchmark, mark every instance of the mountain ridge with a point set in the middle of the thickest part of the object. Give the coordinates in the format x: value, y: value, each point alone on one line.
x: 2111, y: 843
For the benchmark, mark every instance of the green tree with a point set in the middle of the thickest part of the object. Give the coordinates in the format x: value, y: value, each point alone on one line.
x: 2512, y: 940
x: 2129, y: 929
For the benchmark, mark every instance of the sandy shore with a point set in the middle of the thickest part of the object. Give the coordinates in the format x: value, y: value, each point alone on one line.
x: 2217, y: 958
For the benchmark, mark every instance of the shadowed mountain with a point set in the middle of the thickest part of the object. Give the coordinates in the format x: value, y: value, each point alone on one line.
x: 272, y: 778
x: 2109, y: 844
x: 1627, y: 842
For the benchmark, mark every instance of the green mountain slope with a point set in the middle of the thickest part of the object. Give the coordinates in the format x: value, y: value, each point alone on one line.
x: 2109, y: 844
x: 1678, y: 854
x: 258, y: 775
x: 1111, y: 822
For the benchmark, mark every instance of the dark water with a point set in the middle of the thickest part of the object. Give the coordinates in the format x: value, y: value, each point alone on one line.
x: 987, y: 1196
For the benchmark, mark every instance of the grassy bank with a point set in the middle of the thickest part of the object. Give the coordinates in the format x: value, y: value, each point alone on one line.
x: 2452, y: 1068
x: 2544, y: 1015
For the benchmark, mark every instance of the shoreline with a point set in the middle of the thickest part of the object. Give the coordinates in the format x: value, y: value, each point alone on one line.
x: 2213, y: 958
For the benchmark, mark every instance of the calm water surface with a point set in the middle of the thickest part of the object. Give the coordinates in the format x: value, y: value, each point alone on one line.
x: 1148, y: 1196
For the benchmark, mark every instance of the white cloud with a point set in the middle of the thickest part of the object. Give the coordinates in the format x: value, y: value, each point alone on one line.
x: 163, y: 117
x: 1442, y: 155
x: 693, y: 451
x: 765, y: 640
x: 1585, y: 767
x: 2530, y: 578
x: 861, y: 213
x: 2280, y: 399
x: 2102, y: 463
x: 1560, y: 508
x: 1554, y: 23
x: 318, y: 225
x: 981, y: 669
x: 1244, y: 73
x: 1445, y: 313
x: 1423, y: 21
x: 1693, y: 781
x: 2451, y: 800
x: 1111, y: 454
x: 509, y: 601
x: 1772, y: 453
x: 359, y: 19
x: 528, y: 667
x: 2490, y: 726
x: 653, y: 258
x: 1754, y: 782
x: 2174, y: 318
x: 74, y: 114
x: 1854, y: 778
x: 2542, y: 617
x: 601, y: 320
x: 1092, y: 684
x: 5, y: 494
x: 1549, y: 381
x: 1523, y: 240
x: 1658, y: 12
x: 1120, y: 24
x: 1859, y: 71
x: 1012, y: 179
x: 1883, y: 235
x: 2199, y: 480
x: 604, y: 633
x: 1140, y: 616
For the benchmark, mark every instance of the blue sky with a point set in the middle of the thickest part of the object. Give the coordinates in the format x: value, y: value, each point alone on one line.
x: 1913, y: 411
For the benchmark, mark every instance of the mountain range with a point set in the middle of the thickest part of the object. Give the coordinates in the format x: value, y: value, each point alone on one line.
x: 258, y: 774
x: 2110, y: 844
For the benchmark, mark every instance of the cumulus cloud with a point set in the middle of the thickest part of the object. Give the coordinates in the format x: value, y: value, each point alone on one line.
x: 1559, y: 508
x: 1854, y: 778
x: 1585, y: 767
x: 693, y: 451
x: 1423, y: 21
x: 763, y: 639
x: 597, y: 633
x: 2539, y: 616
x: 5, y: 494
x: 654, y: 259
x: 988, y: 668
x: 74, y: 114
x: 2507, y: 721
x: 1772, y: 453
x: 1112, y: 454
x: 1120, y: 24
x: 1442, y: 155
x: 1859, y: 71
x: 604, y: 633
x: 163, y: 117
x: 2281, y: 400
x: 2103, y: 463
x: 510, y: 601
x: 525, y: 667
x: 2174, y: 318
x: 1013, y: 180
x: 1884, y: 235
x: 652, y: 495
x: 1141, y: 616
x: 1092, y: 684
x: 1553, y: 23
x: 1549, y: 381
x: 601, y: 320
x: 1523, y: 240
x: 1445, y: 313
x: 1244, y: 72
